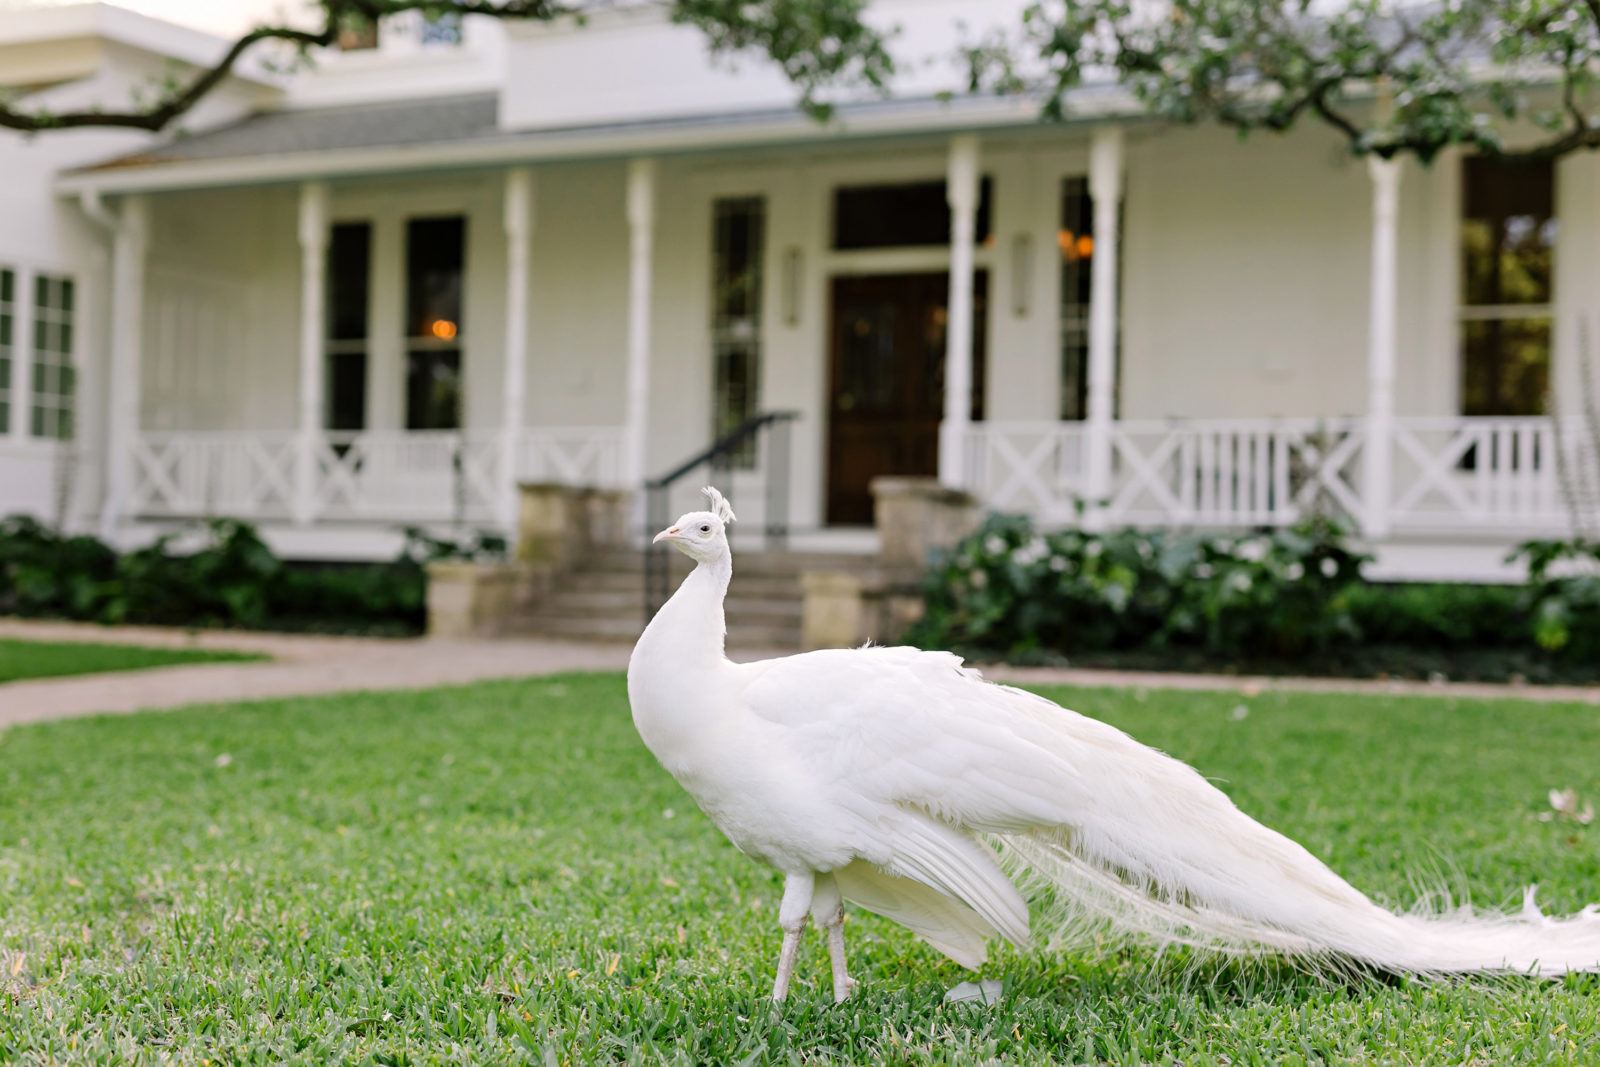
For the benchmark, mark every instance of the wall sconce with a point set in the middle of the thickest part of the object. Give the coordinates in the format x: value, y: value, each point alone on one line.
x: 792, y: 280
x: 1021, y: 274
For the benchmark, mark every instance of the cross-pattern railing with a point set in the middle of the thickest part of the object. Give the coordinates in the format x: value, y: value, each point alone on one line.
x: 387, y: 476
x: 1500, y: 473
x: 243, y: 475
x: 1233, y: 472
x: 1515, y: 476
x: 576, y: 455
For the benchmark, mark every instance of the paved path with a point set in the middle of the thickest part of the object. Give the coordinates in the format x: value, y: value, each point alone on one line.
x: 305, y: 664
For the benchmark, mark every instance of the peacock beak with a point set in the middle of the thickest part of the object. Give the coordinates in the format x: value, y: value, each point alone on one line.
x: 666, y: 535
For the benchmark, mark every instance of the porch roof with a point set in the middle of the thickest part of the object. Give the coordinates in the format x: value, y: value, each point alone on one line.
x: 463, y: 131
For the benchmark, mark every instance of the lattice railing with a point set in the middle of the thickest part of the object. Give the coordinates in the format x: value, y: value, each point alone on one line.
x: 1234, y: 472
x: 1033, y: 467
x: 240, y: 475
x: 1486, y: 473
x: 408, y: 476
x: 577, y: 455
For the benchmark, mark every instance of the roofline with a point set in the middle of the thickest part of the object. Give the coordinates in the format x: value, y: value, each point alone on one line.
x: 120, y: 25
x: 767, y: 130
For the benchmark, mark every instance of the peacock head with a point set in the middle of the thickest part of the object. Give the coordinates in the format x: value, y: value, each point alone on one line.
x: 701, y: 535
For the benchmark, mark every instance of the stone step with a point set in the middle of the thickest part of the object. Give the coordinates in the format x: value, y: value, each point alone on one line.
x: 751, y: 563
x: 586, y: 600
x: 744, y: 585
x: 619, y: 628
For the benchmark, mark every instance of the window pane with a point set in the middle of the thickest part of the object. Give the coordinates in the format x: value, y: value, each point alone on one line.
x: 433, y: 389
x: 8, y: 283
x: 737, y: 251
x: 1075, y: 243
x: 1506, y: 370
x: 435, y: 252
x: 349, y: 273
x: 53, y: 382
x: 347, y: 391
x: 1508, y: 232
x: 913, y: 215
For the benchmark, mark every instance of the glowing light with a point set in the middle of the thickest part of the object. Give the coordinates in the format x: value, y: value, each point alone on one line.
x: 1085, y: 246
x: 443, y: 329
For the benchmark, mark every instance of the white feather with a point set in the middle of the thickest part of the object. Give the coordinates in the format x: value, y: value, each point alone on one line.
x: 919, y: 785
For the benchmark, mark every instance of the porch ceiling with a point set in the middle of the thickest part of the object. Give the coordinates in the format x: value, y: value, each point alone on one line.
x: 420, y: 135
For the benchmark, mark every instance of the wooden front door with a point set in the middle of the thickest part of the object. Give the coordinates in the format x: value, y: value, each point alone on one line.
x: 887, y: 393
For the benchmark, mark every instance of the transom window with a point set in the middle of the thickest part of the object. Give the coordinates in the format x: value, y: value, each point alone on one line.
x: 911, y: 215
x: 54, y: 376
x: 1508, y: 235
x: 738, y: 242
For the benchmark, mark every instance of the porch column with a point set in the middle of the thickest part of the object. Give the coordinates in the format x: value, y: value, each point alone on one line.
x: 961, y: 190
x: 641, y: 227
x: 519, y: 232
x: 124, y: 365
x: 1105, y: 189
x: 1377, y: 451
x: 313, y: 330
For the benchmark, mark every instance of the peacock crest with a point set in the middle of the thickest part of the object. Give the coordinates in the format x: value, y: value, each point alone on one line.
x: 719, y: 505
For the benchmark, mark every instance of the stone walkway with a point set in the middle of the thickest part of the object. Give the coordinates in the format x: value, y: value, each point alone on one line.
x: 305, y: 664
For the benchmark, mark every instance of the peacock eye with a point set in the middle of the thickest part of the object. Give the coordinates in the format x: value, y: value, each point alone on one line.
x: 705, y: 529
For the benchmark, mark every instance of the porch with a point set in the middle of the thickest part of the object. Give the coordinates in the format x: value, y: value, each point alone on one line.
x: 1060, y: 346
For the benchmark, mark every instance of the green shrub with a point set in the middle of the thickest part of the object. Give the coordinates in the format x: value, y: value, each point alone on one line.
x: 1009, y: 588
x: 232, y: 579
x: 1440, y: 615
x: 1563, y: 597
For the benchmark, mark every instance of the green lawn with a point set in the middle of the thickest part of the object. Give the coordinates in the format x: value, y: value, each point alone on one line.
x: 48, y: 659
x: 500, y: 873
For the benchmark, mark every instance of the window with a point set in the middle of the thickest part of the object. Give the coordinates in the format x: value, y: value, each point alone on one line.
x: 1075, y: 242
x: 8, y: 326
x: 435, y: 255
x: 349, y: 276
x: 915, y: 215
x: 1508, y: 234
x: 54, y: 377
x: 738, y: 240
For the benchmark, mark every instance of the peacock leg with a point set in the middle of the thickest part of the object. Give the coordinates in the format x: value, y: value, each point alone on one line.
x: 827, y: 907
x: 792, y: 915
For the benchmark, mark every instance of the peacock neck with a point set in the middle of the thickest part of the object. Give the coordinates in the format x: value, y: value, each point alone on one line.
x: 691, y: 628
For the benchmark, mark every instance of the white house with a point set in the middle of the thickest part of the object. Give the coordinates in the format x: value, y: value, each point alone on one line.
x: 384, y: 290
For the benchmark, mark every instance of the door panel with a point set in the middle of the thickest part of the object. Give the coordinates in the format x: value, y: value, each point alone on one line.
x: 887, y: 382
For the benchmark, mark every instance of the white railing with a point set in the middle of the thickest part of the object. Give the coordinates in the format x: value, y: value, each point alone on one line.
x: 407, y: 476
x: 242, y: 475
x: 1495, y: 473
x: 575, y: 455
x: 369, y: 476
x: 1234, y: 472
x: 1497, y: 476
x: 1032, y: 467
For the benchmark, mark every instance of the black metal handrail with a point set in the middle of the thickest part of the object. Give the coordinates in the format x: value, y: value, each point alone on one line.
x: 775, y: 424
